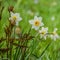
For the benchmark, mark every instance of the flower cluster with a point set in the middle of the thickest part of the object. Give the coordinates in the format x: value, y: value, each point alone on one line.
x: 43, y: 31
x: 37, y: 24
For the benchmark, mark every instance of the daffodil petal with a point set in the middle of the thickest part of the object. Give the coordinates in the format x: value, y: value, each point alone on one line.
x: 35, y: 18
x: 40, y: 18
x: 31, y: 21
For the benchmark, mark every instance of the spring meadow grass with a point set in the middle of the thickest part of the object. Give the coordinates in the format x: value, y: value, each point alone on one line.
x: 34, y: 47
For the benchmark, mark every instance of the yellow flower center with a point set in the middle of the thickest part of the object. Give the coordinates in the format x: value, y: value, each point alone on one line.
x: 37, y: 23
x: 14, y: 17
x: 43, y: 32
x: 54, y: 33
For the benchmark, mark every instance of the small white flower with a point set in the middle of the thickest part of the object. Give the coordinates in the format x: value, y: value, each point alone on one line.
x: 53, y: 18
x: 16, y: 17
x: 54, y: 34
x: 36, y: 1
x: 43, y: 32
x: 36, y: 22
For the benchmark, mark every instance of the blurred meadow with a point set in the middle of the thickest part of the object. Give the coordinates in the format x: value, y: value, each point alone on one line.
x: 49, y: 10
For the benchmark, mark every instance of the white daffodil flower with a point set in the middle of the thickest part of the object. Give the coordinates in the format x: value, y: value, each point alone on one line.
x: 54, y: 34
x: 43, y: 32
x: 36, y: 22
x: 16, y: 17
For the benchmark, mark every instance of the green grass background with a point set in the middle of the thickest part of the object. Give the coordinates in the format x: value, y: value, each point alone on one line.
x: 44, y: 9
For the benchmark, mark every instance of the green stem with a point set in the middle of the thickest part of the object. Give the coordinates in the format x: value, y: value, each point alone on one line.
x: 17, y: 52
x: 45, y: 49
x: 11, y: 46
x: 24, y: 50
x: 23, y: 54
x: 10, y: 51
x: 7, y: 44
x: 1, y: 57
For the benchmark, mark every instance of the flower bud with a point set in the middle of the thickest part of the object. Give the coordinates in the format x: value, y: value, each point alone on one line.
x: 10, y: 8
x: 17, y: 30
